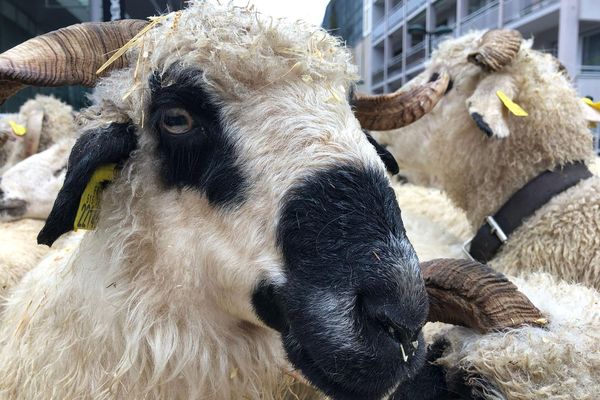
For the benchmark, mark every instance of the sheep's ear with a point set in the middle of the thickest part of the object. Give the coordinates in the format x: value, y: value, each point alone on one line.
x: 93, y: 149
x: 31, y: 140
x: 388, y: 158
x: 486, y: 108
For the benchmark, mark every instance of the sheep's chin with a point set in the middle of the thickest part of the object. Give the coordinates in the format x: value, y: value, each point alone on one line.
x: 335, y: 387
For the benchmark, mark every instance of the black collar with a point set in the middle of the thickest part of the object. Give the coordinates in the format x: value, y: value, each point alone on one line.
x: 521, y: 205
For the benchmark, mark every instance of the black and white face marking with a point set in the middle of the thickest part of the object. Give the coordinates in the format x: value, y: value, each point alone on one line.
x: 353, y: 304
x: 192, y: 145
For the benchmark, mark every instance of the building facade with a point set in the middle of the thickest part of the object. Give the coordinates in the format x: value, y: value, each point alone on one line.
x: 569, y: 29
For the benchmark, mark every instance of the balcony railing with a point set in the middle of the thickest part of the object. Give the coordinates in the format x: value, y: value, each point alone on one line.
x: 395, y: 64
x: 378, y: 29
x: 484, y: 18
x: 412, y: 5
x: 377, y: 76
x: 415, y: 55
x: 516, y: 9
x: 590, y: 70
x: 396, y: 15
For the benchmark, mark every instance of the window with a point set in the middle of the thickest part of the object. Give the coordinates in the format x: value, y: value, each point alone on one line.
x: 591, y: 50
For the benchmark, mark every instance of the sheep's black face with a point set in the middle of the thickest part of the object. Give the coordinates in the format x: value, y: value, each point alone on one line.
x: 353, y: 304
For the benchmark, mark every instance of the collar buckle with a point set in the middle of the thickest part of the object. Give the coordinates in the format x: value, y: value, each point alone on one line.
x: 496, y: 229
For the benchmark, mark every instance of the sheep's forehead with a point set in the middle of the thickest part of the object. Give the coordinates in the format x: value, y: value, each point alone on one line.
x: 454, y: 52
x: 239, y: 51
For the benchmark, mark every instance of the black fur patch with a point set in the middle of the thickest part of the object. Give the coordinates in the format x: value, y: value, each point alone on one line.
x: 268, y: 305
x: 481, y: 124
x: 388, y: 159
x: 93, y: 149
x: 450, y: 86
x: 345, y: 251
x: 434, y: 382
x: 202, y: 158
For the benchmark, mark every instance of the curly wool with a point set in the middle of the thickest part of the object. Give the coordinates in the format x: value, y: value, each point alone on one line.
x: 273, y: 51
x: 561, y: 361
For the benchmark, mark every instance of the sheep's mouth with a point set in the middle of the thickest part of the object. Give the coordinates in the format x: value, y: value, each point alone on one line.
x: 11, y: 209
x: 375, y: 364
x: 339, y: 387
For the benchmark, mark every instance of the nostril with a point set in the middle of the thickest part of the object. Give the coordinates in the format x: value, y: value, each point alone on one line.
x: 402, y: 335
x: 407, y: 340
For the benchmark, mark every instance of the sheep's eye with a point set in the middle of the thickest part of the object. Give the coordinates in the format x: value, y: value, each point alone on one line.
x: 176, y: 121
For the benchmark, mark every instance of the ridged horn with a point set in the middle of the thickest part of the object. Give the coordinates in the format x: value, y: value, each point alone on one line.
x: 497, y: 49
x: 67, y: 56
x: 403, y: 107
x: 467, y: 293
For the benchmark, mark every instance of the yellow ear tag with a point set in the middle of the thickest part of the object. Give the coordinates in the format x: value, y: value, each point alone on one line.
x: 17, y: 129
x: 89, y: 205
x: 511, y: 105
x: 591, y: 103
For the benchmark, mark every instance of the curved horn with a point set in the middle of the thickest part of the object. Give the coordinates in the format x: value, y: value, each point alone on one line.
x: 68, y: 56
x: 497, y: 49
x: 464, y: 292
x: 403, y: 107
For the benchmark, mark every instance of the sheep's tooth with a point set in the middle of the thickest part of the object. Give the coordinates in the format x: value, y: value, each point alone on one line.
x: 415, y: 344
x: 404, y: 356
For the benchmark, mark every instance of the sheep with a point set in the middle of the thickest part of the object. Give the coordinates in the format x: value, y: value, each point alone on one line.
x: 561, y: 360
x: 249, y: 229
x: 46, y: 119
x: 27, y: 192
x: 475, y: 150
x: 28, y: 189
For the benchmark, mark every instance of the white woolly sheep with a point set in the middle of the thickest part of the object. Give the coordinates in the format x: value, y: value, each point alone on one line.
x: 46, y: 119
x: 561, y: 360
x: 480, y: 154
x: 250, y: 229
x: 29, y: 188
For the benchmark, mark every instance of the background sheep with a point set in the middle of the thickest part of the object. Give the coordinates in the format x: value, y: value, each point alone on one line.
x: 251, y: 223
x: 470, y: 146
x: 28, y: 189
x: 45, y: 116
